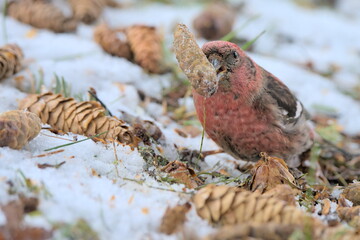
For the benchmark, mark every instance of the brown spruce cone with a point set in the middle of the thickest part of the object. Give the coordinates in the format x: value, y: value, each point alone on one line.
x: 87, y: 11
x: 86, y: 118
x: 11, y: 57
x: 41, y: 14
x: 268, y: 231
x: 107, y: 38
x: 146, y: 45
x: 228, y: 205
x: 215, y: 22
x: 17, y: 128
x: 273, y: 231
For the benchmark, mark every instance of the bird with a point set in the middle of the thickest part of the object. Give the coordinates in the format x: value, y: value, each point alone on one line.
x: 252, y: 111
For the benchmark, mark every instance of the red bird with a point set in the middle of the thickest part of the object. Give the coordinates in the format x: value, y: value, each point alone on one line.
x: 252, y: 111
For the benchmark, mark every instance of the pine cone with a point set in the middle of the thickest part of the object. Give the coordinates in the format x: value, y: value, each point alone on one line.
x: 11, y: 57
x: 87, y: 11
x: 41, y: 14
x: 86, y: 118
x: 145, y: 44
x: 215, y: 22
x: 227, y: 206
x: 111, y: 43
x: 273, y: 231
x: 17, y: 128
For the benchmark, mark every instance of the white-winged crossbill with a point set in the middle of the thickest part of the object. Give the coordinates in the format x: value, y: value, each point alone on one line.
x: 252, y: 111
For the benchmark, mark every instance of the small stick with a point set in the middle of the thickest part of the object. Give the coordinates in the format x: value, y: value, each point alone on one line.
x: 49, y: 153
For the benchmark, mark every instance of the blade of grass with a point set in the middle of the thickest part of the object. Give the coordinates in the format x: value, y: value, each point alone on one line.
x: 57, y: 89
x: 202, y: 136
x: 232, y: 34
x: 4, y: 30
x: 251, y: 42
x: 68, y: 144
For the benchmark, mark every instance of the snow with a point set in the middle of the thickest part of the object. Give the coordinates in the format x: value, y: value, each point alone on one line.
x: 91, y: 185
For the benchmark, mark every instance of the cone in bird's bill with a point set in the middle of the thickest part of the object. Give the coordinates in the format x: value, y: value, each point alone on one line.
x: 200, y: 72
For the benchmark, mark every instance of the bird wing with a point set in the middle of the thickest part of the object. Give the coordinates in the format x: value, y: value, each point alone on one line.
x: 289, y: 107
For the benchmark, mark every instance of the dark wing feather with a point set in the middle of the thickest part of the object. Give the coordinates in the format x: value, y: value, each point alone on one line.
x: 290, y: 107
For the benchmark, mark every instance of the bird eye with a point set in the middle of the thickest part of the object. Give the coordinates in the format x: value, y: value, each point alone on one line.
x: 235, y: 55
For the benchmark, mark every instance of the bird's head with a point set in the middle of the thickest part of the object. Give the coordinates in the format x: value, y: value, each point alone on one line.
x: 227, y: 58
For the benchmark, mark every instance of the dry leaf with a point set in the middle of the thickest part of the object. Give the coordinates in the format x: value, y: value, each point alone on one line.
x: 226, y: 205
x: 14, y: 227
x: 269, y: 172
x: 146, y: 45
x: 11, y: 57
x: 326, y: 207
x: 17, y: 128
x: 109, y: 40
x: 215, y: 21
x: 193, y: 62
x: 87, y: 118
x: 174, y: 219
x: 41, y: 14
x: 350, y: 215
x: 352, y: 193
x: 183, y: 174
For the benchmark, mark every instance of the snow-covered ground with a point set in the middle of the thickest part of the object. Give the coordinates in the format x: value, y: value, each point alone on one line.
x: 91, y: 185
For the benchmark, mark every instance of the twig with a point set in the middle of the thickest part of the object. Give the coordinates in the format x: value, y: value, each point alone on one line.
x: 141, y: 182
x: 46, y: 165
x: 49, y: 153
x: 68, y: 144
x: 56, y: 136
x: 116, y: 160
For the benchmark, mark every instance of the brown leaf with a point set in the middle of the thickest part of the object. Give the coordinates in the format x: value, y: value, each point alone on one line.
x: 183, y: 174
x: 17, y: 128
x: 326, y: 207
x: 14, y: 227
x: 352, y: 193
x: 174, y: 218
x: 269, y: 172
x: 350, y: 215
x: 193, y: 62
